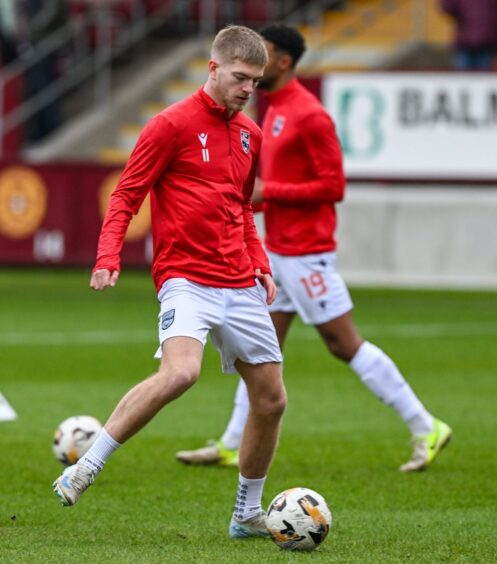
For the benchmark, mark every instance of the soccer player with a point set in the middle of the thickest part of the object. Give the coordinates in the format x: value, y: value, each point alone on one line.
x: 198, y: 159
x: 302, y: 180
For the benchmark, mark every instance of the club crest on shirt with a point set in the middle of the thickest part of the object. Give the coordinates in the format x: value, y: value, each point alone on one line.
x: 278, y: 124
x: 245, y: 139
x: 167, y: 319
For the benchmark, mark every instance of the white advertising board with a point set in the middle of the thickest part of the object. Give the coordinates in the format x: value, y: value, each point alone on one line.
x: 415, y: 125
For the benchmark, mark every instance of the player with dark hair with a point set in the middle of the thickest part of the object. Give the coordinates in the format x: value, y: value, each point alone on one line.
x: 302, y: 180
x: 198, y: 160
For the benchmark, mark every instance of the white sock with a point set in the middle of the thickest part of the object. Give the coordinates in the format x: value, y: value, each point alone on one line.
x: 380, y: 374
x: 420, y: 424
x: 232, y: 437
x: 248, y: 498
x: 99, y: 452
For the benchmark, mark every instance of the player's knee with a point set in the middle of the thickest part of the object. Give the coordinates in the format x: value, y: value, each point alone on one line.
x: 337, y: 351
x: 280, y: 404
x: 343, y: 350
x: 176, y: 379
x: 271, y: 405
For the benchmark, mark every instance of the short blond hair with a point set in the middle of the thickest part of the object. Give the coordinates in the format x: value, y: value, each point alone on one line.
x: 236, y: 42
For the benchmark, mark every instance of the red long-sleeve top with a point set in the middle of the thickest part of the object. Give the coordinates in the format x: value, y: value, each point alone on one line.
x: 199, y: 165
x: 302, y: 171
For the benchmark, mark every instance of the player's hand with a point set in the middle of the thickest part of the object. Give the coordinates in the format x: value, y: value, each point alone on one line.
x: 257, y: 196
x: 102, y: 278
x: 267, y: 281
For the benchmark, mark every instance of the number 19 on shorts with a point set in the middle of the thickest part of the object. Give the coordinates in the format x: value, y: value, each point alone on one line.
x: 315, y: 285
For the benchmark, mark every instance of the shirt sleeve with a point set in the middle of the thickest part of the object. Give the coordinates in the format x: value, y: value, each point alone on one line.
x: 324, y: 152
x: 252, y: 240
x: 153, y: 151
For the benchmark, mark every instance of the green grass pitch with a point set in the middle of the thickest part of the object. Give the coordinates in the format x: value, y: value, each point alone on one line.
x: 65, y: 350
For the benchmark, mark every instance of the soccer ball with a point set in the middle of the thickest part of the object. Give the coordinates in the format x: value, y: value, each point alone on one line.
x: 298, y: 519
x: 74, y: 436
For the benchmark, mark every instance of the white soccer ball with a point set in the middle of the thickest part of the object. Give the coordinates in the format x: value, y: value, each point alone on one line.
x: 298, y: 519
x: 74, y: 436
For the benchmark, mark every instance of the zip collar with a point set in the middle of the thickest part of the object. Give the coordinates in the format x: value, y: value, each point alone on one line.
x: 212, y: 107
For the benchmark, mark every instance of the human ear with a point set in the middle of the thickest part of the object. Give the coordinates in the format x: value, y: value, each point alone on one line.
x: 285, y: 62
x: 213, y: 66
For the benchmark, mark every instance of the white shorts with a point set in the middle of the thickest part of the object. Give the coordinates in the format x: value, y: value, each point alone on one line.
x: 310, y: 286
x: 237, y: 319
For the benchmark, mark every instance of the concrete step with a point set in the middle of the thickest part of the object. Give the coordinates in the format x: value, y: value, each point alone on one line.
x: 127, y: 137
x: 113, y: 155
x: 197, y: 70
x: 149, y: 110
x: 176, y: 90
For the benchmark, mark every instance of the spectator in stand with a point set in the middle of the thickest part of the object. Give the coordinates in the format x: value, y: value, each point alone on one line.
x: 476, y: 33
x: 11, y: 93
x: 8, y: 32
x: 42, y: 18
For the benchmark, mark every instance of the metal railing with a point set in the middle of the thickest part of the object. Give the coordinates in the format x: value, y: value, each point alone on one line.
x: 89, y: 54
x: 89, y: 58
x: 84, y: 60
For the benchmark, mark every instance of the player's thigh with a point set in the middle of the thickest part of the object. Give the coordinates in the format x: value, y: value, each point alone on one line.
x: 317, y: 292
x: 282, y: 322
x: 182, y: 358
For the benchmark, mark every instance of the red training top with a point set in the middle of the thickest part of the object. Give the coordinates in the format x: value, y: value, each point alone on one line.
x: 200, y: 165
x: 301, y: 166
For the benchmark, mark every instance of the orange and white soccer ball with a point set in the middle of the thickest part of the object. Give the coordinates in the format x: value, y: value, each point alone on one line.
x: 298, y: 519
x: 74, y: 436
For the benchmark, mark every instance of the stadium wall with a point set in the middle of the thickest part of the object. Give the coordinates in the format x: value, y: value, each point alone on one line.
x: 419, y: 235
x: 415, y: 235
x: 51, y: 215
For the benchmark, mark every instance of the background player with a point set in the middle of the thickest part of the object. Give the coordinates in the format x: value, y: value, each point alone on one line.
x: 302, y: 180
x: 198, y: 158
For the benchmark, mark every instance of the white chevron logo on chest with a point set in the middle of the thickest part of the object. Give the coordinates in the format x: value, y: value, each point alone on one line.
x: 202, y: 137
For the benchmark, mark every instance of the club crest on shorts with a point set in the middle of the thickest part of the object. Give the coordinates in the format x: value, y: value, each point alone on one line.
x: 245, y: 139
x: 167, y: 319
x: 278, y: 124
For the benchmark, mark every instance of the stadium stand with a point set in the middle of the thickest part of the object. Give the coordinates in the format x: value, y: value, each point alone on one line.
x: 362, y: 35
x: 100, y: 47
x: 163, y: 49
x: 372, y: 34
